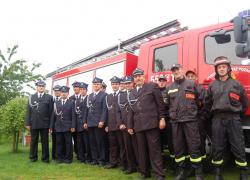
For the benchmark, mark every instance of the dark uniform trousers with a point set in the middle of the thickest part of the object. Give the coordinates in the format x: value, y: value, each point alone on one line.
x: 170, y: 140
x: 53, y: 136
x: 186, y: 132
x: 149, y: 142
x: 203, y: 129
x: 130, y: 143
x: 116, y: 148
x: 228, y: 127
x: 131, y: 150
x: 34, y: 143
x: 64, y: 140
x: 74, y: 134
x: 97, y: 144
x: 83, y: 147
x: 74, y: 137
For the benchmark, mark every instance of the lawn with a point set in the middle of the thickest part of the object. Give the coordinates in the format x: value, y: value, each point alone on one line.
x: 18, y: 167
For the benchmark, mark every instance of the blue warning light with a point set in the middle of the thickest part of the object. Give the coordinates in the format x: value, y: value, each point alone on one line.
x: 245, y: 13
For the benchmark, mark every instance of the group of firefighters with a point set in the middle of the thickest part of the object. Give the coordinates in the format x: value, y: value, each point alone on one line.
x: 127, y: 127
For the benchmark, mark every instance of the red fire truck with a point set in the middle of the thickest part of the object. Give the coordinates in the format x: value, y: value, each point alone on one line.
x: 156, y: 50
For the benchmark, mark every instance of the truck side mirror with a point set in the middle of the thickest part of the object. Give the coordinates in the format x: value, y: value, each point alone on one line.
x: 243, y: 50
x: 240, y: 29
x: 220, y: 36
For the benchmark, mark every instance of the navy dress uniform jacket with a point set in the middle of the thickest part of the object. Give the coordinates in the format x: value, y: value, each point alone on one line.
x: 65, y: 121
x: 146, y: 108
x: 97, y: 110
x: 39, y: 111
x: 81, y: 115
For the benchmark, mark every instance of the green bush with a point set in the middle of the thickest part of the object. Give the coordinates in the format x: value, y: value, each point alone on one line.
x: 12, y: 117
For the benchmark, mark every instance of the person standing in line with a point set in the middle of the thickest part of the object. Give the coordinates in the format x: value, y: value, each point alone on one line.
x: 64, y: 125
x: 130, y: 143
x: 183, y: 108
x: 146, y: 116
x: 39, y: 112
x: 57, y: 95
x: 226, y: 99
x: 94, y: 121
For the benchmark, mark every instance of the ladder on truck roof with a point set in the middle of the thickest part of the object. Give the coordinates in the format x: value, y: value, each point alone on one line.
x: 130, y: 45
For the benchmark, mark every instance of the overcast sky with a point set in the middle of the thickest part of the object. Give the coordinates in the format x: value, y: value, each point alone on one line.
x: 59, y: 32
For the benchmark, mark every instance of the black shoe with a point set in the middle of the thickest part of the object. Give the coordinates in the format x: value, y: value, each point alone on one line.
x: 129, y: 171
x: 110, y: 166
x: 123, y: 169
x: 181, y: 174
x: 190, y: 172
x: 83, y: 161
x: 46, y: 161
x: 67, y: 161
x: 88, y: 161
x: 33, y: 160
x: 159, y: 178
x: 243, y: 175
x: 144, y: 176
x: 199, y: 174
x: 93, y: 163
x: 102, y: 164
x: 59, y: 161
x: 218, y: 175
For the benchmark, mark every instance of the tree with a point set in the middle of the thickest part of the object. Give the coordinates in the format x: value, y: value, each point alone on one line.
x: 12, y: 116
x: 15, y: 75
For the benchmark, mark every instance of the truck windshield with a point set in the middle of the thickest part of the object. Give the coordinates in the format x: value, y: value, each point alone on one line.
x: 213, y: 50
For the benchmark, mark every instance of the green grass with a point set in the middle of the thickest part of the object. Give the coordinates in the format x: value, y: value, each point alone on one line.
x: 18, y: 167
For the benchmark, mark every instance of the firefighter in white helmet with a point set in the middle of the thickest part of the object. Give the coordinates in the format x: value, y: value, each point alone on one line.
x: 226, y: 99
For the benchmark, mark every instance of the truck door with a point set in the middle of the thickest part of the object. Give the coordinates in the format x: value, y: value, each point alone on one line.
x: 162, y: 56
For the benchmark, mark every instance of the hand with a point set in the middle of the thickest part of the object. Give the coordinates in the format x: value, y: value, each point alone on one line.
x: 162, y: 123
x: 101, y: 124
x: 28, y: 128
x: 72, y: 129
x: 50, y: 130
x: 122, y: 127
x: 131, y: 131
x: 107, y: 129
x: 85, y: 126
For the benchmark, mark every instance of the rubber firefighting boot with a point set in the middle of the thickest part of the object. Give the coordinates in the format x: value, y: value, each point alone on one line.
x: 199, y: 174
x: 243, y: 175
x: 181, y: 174
x: 218, y: 175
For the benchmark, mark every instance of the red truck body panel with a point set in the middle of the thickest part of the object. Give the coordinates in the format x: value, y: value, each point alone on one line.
x: 191, y: 55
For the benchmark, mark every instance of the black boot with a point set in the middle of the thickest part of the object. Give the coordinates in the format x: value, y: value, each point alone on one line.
x: 243, y: 175
x: 199, y: 174
x: 218, y: 175
x: 180, y: 174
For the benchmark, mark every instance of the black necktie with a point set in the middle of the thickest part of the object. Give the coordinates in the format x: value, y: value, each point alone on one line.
x: 63, y: 102
x: 57, y: 98
x: 114, y: 94
x: 40, y: 96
